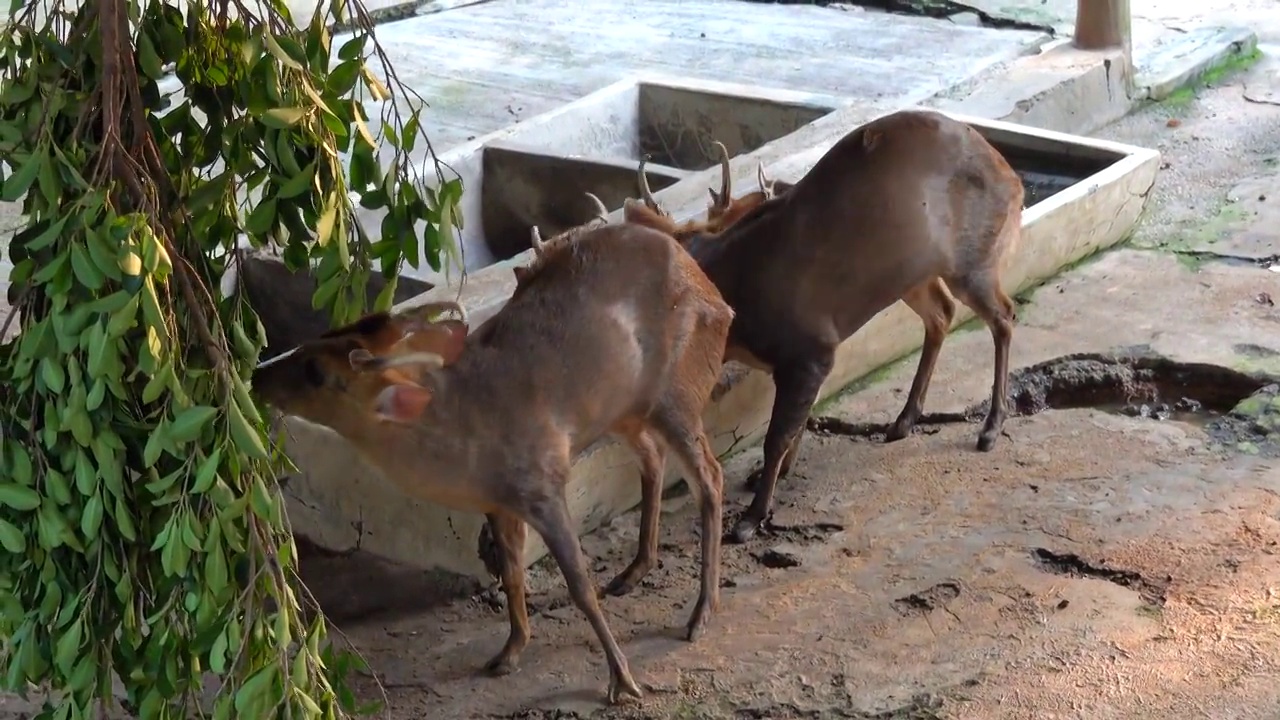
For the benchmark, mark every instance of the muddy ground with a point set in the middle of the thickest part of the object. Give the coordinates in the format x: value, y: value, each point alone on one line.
x: 1116, y: 555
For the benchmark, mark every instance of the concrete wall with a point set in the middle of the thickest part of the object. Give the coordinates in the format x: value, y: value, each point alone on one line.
x: 341, y: 502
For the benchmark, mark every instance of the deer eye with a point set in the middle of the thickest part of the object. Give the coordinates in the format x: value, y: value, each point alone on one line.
x: 312, y: 373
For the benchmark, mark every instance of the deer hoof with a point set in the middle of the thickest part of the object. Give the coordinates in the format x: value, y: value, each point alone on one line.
x: 743, y: 530
x: 503, y: 664
x: 986, y: 442
x: 623, y: 689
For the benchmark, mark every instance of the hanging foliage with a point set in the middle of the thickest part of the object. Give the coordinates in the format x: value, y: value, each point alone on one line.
x: 143, y: 536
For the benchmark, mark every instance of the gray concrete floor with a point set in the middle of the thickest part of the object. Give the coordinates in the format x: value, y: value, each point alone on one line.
x: 484, y: 67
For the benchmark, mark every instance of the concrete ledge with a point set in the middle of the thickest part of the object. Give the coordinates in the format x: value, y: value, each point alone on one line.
x: 1063, y: 89
x: 341, y: 502
x: 1179, y: 60
x: 1079, y: 91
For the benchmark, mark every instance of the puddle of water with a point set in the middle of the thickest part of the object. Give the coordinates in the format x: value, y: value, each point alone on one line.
x: 1040, y: 186
x: 1186, y: 410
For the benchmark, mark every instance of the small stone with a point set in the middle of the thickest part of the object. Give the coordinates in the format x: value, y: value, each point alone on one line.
x: 1187, y: 404
x: 781, y: 556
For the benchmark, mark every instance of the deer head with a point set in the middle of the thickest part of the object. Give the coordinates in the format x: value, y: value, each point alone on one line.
x: 317, y: 381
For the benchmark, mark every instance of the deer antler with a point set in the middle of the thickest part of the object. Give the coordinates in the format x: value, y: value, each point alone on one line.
x: 364, y: 361
x: 726, y: 181
x: 438, y: 308
x: 645, y: 193
x: 766, y: 185
x: 602, y: 212
x: 535, y: 238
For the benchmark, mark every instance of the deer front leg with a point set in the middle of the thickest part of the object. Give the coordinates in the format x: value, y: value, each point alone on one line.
x: 797, y: 388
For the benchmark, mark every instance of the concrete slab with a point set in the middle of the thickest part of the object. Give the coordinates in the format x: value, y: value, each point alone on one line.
x: 482, y: 69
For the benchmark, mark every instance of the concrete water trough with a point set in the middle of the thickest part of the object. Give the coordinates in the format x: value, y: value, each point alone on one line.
x: 535, y: 172
x: 1084, y: 195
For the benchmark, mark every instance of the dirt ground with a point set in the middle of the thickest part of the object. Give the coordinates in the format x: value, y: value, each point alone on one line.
x: 1096, y: 564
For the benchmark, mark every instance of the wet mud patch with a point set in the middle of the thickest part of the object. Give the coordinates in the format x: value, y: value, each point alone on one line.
x: 922, y: 603
x: 1152, y: 591
x: 1140, y: 384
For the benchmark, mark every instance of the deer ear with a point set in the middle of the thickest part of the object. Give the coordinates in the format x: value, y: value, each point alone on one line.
x: 446, y: 338
x: 401, y: 403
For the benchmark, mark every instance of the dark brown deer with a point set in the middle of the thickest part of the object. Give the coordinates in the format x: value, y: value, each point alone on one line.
x: 617, y: 332
x: 907, y: 206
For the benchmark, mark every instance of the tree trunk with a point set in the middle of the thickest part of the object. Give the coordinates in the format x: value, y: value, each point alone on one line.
x: 1102, y: 24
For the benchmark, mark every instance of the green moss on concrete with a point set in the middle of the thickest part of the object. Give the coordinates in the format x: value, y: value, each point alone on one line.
x: 1212, y: 75
x: 1199, y: 236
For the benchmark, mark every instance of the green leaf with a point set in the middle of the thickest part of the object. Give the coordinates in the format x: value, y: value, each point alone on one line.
x: 244, y: 435
x: 52, y: 231
x: 208, y: 471
x: 91, y: 518
x: 85, y: 271
x: 186, y: 426
x: 409, y: 135
x: 283, y: 117
x: 55, y: 377
x: 20, y: 470
x: 299, y: 183
x: 19, y: 497
x: 292, y: 57
x: 148, y: 59
x: 260, y: 220
x: 352, y: 48
x: 209, y: 192
x: 17, y: 184
x: 253, y: 693
x: 11, y: 538
x: 67, y: 649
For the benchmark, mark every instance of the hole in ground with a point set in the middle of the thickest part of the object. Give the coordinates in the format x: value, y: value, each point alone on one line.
x: 1152, y: 592
x: 1197, y: 392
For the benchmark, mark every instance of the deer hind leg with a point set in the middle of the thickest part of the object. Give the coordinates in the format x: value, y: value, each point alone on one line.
x: 682, y: 429
x: 550, y: 517
x: 652, y: 463
x: 508, y: 538
x: 982, y: 293
x: 797, y: 388
x: 936, y: 309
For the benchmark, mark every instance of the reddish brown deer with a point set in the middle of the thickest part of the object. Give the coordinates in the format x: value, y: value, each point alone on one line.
x: 907, y: 206
x: 617, y: 332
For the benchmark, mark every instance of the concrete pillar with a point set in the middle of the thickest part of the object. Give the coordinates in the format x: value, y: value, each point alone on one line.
x: 1102, y: 24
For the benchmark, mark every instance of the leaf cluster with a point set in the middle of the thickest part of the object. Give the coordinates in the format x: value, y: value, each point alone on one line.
x: 142, y: 531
